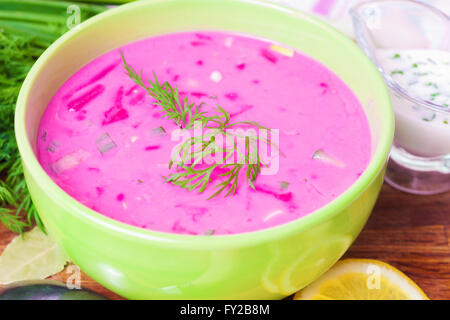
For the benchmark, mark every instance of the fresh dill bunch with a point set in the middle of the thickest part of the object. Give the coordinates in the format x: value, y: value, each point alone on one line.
x: 14, y: 196
x: 17, y: 55
x: 12, y: 221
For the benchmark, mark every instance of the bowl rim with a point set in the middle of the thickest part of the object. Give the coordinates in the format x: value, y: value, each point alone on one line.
x: 80, y: 211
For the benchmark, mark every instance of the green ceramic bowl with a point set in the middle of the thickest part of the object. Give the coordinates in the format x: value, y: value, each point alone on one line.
x: 138, y: 263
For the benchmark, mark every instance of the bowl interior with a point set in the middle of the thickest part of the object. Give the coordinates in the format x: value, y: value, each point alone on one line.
x: 143, y: 19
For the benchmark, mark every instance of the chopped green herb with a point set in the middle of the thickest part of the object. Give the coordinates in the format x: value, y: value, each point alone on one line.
x: 159, y: 131
x: 415, y: 65
x: 396, y: 72
x: 284, y: 184
x: 445, y: 121
x: 396, y: 56
x: 27, y: 29
x: 53, y: 147
x: 429, y: 118
x: 327, y: 158
x: 434, y: 95
x: 105, y: 143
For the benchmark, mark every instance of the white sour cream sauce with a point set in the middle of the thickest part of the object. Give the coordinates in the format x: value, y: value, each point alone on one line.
x: 423, y: 74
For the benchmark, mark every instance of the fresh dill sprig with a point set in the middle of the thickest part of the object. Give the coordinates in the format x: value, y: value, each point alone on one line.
x: 24, y: 36
x: 168, y: 98
x: 11, y: 221
x: 191, y: 175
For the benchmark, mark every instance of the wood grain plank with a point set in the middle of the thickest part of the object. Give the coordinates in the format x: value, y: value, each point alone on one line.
x: 412, y: 233
x: 429, y: 239
x: 395, y: 208
x: 447, y: 233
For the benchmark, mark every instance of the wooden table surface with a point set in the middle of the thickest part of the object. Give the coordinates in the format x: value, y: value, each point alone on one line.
x: 410, y: 232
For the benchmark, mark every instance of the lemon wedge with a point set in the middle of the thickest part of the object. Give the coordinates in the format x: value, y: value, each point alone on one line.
x: 362, y: 279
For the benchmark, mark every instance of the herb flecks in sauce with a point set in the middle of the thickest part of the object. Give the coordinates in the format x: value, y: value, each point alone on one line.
x: 425, y: 72
x: 327, y: 158
x: 396, y: 72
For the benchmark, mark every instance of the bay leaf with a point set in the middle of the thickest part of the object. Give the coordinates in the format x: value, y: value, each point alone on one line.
x: 35, y: 256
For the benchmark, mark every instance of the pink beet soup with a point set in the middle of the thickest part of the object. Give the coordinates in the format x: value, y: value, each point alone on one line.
x: 104, y: 140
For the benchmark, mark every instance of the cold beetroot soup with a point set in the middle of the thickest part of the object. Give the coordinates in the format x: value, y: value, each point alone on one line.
x: 108, y: 143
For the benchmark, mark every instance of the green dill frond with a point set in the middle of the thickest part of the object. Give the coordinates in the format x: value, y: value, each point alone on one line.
x: 11, y: 221
x: 194, y: 149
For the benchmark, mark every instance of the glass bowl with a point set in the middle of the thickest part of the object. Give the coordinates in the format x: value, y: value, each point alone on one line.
x: 420, y: 157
